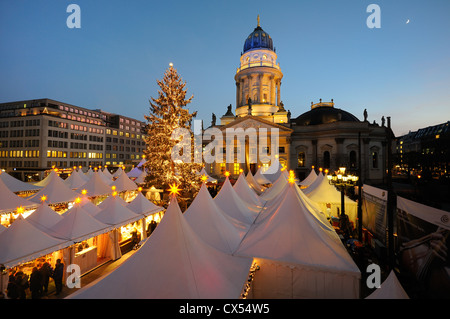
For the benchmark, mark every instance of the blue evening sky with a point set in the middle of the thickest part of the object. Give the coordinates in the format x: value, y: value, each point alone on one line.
x: 325, y: 50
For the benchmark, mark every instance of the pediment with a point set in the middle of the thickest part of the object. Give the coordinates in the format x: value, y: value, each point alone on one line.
x: 254, y: 122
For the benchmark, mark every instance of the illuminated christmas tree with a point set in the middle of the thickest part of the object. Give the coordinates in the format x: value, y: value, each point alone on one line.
x: 167, y: 113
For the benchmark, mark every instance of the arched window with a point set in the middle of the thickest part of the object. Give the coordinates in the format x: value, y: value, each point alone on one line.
x: 301, y: 159
x: 352, y: 159
x: 326, y: 159
x: 374, y: 159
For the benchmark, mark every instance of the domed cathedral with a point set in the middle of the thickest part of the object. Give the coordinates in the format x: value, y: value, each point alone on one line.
x: 327, y: 137
x: 323, y: 137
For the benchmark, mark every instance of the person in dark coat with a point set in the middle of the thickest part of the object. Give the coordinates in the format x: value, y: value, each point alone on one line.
x: 13, y: 290
x: 36, y: 283
x: 46, y: 271
x: 58, y: 276
x: 21, y: 280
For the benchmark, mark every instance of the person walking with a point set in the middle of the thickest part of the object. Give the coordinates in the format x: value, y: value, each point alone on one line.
x: 58, y: 276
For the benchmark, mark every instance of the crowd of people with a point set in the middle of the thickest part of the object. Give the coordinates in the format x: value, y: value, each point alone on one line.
x: 37, y: 282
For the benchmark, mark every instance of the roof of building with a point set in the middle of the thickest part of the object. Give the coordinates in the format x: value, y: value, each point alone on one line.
x: 324, y: 113
x: 258, y: 39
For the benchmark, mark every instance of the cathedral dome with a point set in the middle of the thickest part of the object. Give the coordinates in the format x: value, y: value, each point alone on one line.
x: 324, y: 115
x: 258, y: 39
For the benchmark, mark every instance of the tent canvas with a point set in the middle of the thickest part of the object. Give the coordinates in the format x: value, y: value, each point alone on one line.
x: 301, y: 257
x: 9, y: 201
x: 213, y: 225
x: 48, y: 179
x: 88, y: 206
x: 116, y: 214
x: 16, y: 185
x: 254, y: 184
x: 142, y: 206
x: 391, y: 288
x: 324, y: 193
x: 186, y: 267
x: 273, y: 172
x: 95, y: 186
x: 124, y: 183
x: 44, y: 217
x: 135, y: 172
x: 247, y: 193
x: 261, y: 178
x: 233, y: 205
x: 22, y: 242
x: 274, y: 190
x: 75, y: 180
x: 309, y: 179
x: 55, y: 191
x: 78, y: 225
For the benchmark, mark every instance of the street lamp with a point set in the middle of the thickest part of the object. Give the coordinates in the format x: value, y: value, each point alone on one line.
x: 342, y: 181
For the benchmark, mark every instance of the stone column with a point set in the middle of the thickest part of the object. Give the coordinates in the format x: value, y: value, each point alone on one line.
x: 238, y: 88
x: 261, y: 77
x: 278, y: 92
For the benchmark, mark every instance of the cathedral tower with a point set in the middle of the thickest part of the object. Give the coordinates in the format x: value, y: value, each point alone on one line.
x: 258, y: 79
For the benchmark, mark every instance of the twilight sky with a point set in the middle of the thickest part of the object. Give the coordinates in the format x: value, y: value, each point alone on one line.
x: 325, y: 50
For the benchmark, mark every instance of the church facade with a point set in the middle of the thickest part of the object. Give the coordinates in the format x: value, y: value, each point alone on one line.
x: 323, y: 137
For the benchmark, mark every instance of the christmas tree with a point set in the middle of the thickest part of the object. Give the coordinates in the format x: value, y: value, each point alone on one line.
x: 167, y: 113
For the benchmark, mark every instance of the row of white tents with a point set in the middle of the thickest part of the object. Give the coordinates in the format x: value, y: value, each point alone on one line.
x: 45, y: 231
x: 208, y: 251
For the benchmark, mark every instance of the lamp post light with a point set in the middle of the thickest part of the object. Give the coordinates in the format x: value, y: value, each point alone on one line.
x: 342, y: 181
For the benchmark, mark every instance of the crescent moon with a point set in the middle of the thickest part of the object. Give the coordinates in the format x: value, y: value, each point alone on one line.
x: 407, y: 21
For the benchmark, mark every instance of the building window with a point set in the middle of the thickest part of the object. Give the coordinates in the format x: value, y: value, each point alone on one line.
x: 236, y: 167
x: 374, y: 160
x: 301, y: 159
x: 352, y: 159
x: 281, y: 150
x: 326, y: 159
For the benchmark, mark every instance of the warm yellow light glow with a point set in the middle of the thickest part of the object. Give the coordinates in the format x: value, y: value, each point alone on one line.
x: 20, y: 210
x: 227, y: 173
x: 291, y: 178
x: 43, y: 198
x: 140, y: 189
x: 321, y: 169
x: 84, y: 192
x: 77, y: 200
x: 204, y: 178
x: 174, y: 190
x: 113, y: 188
x: 114, y: 193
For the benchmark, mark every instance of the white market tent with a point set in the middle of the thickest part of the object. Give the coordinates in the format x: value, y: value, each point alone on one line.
x: 273, y: 172
x: 48, y: 179
x: 324, y: 194
x: 124, y: 183
x: 298, y: 256
x: 232, y: 204
x: 10, y: 202
x: 135, y: 172
x: 212, y: 224
x: 44, y: 217
x: 186, y: 268
x: 16, y: 185
x: 104, y: 177
x: 276, y: 188
x: 309, y: 179
x: 22, y: 242
x: 75, y: 180
x: 107, y: 173
x: 314, y: 184
x: 142, y: 206
x: 391, y: 288
x: 118, y: 172
x: 261, y: 178
x: 55, y: 191
x: 95, y: 186
x: 247, y: 193
x: 110, y: 198
x: 253, y: 183
x: 115, y: 214
x: 88, y: 206
x: 141, y: 178
x: 78, y: 225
